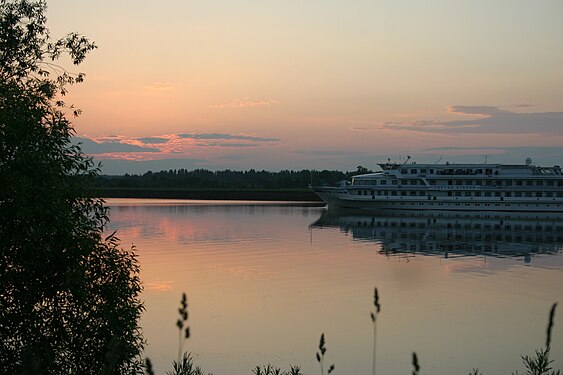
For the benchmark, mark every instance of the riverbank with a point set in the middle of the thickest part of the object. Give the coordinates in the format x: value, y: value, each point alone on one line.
x: 298, y: 195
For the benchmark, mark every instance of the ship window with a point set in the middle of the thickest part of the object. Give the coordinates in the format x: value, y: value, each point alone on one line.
x: 413, y: 193
x: 403, y: 171
x: 488, y: 182
x: 432, y: 171
x: 467, y: 194
x: 477, y: 193
x: 421, y: 193
x: 403, y: 193
x: 539, y: 183
x: 508, y: 194
x: 508, y: 183
x: 394, y: 182
x: 383, y: 182
x: 518, y: 194
x: 414, y: 171
x: 518, y: 183
x: 459, y: 182
x: 487, y: 194
x: 497, y: 193
x: 393, y: 193
x: 386, y: 192
x: 560, y: 183
x: 529, y: 183
x: 379, y: 192
x: 458, y: 193
x: 423, y: 171
x: 528, y: 194
x: 538, y: 194
x: 560, y: 194
x: 549, y: 183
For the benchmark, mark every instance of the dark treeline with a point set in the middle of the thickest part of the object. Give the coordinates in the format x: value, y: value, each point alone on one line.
x: 227, y: 179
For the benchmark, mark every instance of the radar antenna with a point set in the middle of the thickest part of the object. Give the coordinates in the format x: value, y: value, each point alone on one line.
x: 405, y: 162
x: 440, y: 158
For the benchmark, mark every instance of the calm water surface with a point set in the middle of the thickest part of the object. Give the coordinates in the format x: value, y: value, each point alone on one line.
x: 264, y: 280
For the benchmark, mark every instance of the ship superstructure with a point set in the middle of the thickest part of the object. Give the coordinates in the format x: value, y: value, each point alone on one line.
x: 471, y: 187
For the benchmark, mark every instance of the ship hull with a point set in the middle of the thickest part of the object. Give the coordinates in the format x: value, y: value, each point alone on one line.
x: 339, y: 197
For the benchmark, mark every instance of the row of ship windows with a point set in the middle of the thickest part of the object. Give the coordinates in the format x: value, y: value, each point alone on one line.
x: 449, y: 171
x: 474, y: 171
x: 421, y: 193
x: 447, y: 205
x: 476, y: 237
x: 486, y: 226
x: 375, y: 182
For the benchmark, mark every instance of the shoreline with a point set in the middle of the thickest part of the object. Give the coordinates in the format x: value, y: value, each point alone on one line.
x: 211, y: 194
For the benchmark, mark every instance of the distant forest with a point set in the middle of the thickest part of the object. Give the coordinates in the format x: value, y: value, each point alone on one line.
x: 227, y: 179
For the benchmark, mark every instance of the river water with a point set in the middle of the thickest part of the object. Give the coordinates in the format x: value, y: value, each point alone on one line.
x: 264, y: 280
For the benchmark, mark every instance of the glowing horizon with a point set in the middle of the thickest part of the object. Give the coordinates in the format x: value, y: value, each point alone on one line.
x: 316, y: 84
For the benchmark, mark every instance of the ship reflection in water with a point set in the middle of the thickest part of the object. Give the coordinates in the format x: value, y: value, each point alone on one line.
x: 451, y: 234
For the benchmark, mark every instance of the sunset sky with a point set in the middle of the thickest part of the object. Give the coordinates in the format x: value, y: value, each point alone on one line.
x: 323, y: 84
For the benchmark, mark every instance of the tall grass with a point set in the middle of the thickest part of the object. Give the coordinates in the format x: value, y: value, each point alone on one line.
x: 539, y: 363
x: 321, y: 355
x: 374, y: 321
x: 271, y: 370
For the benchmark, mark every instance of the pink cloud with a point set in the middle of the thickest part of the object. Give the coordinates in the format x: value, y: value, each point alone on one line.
x: 167, y: 145
x: 482, y: 120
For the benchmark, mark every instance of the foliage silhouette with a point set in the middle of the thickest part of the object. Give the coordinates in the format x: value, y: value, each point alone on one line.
x: 321, y: 355
x: 540, y: 363
x: 225, y: 179
x: 69, y: 298
x: 415, y: 365
x: 373, y: 316
x: 272, y: 370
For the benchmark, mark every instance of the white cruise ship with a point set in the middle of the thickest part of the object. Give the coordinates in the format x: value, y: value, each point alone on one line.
x: 464, y: 187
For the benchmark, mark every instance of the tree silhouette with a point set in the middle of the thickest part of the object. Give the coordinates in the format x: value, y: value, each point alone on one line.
x: 69, y: 298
